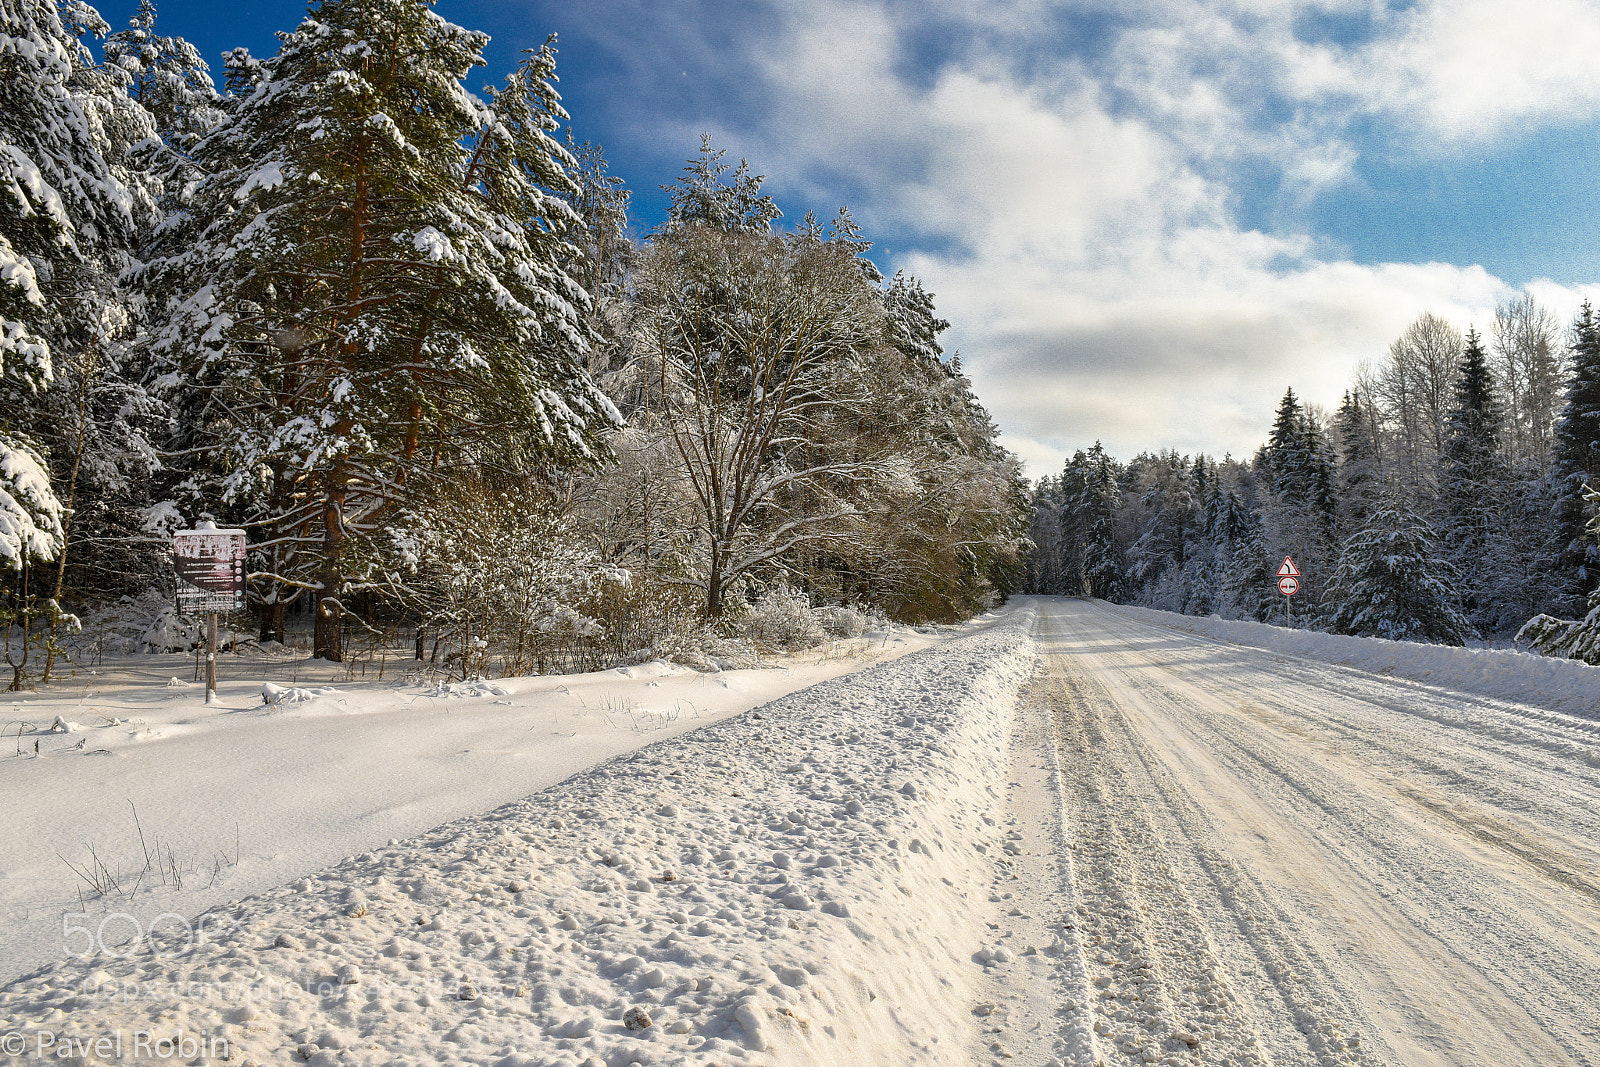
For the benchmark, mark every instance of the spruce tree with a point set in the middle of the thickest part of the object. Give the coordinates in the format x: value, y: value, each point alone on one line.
x: 1472, y: 480
x: 1392, y: 582
x: 1576, y: 565
x: 1103, y: 566
x: 1250, y: 588
x: 1297, y: 510
x: 1360, y: 464
x: 1561, y: 637
x: 367, y: 289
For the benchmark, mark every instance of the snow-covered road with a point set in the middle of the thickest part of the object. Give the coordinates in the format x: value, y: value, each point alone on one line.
x: 1190, y: 852
x: 1279, y: 861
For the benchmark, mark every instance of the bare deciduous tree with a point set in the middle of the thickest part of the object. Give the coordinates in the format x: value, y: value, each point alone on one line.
x: 1414, y: 391
x: 1529, y: 368
x: 752, y: 335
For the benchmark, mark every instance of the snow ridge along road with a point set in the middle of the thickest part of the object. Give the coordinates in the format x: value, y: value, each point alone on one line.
x: 1278, y: 861
x: 804, y: 884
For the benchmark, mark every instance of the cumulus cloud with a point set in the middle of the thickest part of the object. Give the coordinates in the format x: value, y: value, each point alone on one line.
x: 1472, y: 69
x: 1087, y: 206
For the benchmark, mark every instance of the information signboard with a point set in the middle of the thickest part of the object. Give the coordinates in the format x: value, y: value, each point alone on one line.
x: 210, y: 565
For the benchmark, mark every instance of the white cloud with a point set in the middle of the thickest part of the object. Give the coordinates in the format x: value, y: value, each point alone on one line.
x: 1472, y: 69
x: 1099, y: 288
x: 1076, y: 214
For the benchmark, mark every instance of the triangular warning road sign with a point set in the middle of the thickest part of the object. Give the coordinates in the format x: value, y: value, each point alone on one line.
x: 1288, y: 570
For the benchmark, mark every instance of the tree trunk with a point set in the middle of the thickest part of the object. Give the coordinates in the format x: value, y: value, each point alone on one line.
x: 327, y: 640
x: 714, y: 587
x: 274, y: 621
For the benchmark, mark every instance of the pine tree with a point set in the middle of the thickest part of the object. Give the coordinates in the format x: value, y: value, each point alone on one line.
x: 65, y: 216
x: 913, y: 323
x: 1472, y: 479
x: 368, y: 282
x: 707, y: 195
x: 1360, y: 463
x: 1576, y: 566
x: 166, y: 77
x: 1392, y: 582
x: 69, y: 209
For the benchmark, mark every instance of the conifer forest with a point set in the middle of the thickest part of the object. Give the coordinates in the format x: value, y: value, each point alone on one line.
x: 1447, y: 498
x: 406, y: 337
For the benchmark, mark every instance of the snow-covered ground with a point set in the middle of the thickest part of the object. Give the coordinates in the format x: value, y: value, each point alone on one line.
x: 1075, y: 834
x: 786, y: 886
x: 1568, y: 686
x: 1277, y: 859
x: 173, y: 806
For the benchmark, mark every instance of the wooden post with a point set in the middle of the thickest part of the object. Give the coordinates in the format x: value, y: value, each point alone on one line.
x: 211, y: 659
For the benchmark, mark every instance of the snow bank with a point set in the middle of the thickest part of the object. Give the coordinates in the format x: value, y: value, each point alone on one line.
x: 803, y: 884
x: 1569, y: 687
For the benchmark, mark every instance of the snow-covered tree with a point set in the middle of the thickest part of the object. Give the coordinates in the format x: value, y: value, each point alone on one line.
x: 753, y: 335
x: 1297, y: 468
x: 1250, y: 586
x: 368, y: 281
x: 1094, y: 562
x: 1414, y: 390
x: 1571, y: 639
x: 1576, y: 467
x: 707, y: 195
x: 1528, y: 363
x: 1473, y: 486
x: 1392, y: 582
x: 1360, y: 476
x: 65, y: 216
x: 166, y: 77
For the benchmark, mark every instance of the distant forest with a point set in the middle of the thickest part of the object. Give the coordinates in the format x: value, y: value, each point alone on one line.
x: 1447, y: 498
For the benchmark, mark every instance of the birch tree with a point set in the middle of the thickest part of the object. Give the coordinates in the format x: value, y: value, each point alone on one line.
x: 753, y: 335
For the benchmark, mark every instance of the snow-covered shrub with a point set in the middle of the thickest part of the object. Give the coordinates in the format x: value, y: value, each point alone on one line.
x: 848, y: 622
x: 171, y: 632
x: 504, y: 576
x: 782, y: 618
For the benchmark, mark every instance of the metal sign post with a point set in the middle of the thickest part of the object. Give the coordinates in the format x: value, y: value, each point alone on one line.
x: 1288, y: 585
x: 210, y: 566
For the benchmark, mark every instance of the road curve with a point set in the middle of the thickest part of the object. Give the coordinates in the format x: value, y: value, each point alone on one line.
x: 1278, y: 861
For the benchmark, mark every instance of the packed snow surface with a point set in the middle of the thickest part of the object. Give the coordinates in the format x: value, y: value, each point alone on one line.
x: 126, y: 780
x: 1075, y: 834
x: 775, y: 888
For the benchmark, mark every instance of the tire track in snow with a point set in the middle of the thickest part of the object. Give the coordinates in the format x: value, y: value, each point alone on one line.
x: 1313, y: 818
x: 1159, y: 993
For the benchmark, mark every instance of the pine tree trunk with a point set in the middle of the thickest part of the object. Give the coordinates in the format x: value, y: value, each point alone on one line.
x: 274, y: 620
x: 326, y: 639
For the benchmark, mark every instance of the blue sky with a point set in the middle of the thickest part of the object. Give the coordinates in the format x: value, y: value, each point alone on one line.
x: 1146, y: 218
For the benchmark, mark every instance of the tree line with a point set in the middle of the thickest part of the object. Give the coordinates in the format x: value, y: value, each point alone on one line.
x: 1447, y: 497
x: 404, y: 335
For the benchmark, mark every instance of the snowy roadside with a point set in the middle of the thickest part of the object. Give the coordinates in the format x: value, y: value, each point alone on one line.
x: 803, y: 884
x: 1568, y: 687
x: 172, y: 806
